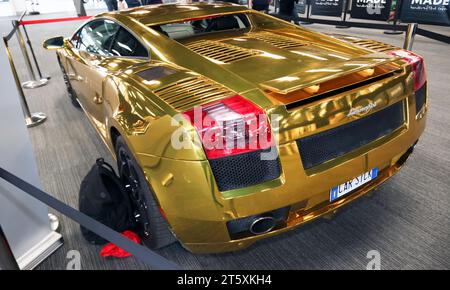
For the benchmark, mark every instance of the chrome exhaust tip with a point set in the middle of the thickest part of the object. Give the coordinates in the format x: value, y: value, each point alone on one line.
x: 262, y: 225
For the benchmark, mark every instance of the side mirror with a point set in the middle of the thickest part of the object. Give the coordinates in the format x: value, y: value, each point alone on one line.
x: 54, y: 43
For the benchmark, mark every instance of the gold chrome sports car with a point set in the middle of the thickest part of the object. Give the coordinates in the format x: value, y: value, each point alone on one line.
x: 339, y: 116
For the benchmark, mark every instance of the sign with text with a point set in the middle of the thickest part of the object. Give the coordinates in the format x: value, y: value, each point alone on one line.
x: 426, y: 11
x: 327, y: 7
x: 371, y: 9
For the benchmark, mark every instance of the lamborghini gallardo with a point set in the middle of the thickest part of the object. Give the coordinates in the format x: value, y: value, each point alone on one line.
x: 229, y: 125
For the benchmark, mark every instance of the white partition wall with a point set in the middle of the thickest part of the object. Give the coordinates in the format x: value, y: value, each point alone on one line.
x: 23, y: 219
x: 16, y: 7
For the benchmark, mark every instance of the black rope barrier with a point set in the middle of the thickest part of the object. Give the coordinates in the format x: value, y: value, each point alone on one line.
x: 144, y: 254
x: 11, y: 33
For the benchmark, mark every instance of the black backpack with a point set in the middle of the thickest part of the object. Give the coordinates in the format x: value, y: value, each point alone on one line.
x: 103, y: 197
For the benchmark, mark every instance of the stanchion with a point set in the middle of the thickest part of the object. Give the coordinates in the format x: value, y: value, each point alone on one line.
x: 34, y: 82
x: 409, y: 37
x: 308, y: 12
x: 7, y: 260
x: 36, y: 64
x: 344, y: 20
x: 79, y: 7
x: 31, y: 119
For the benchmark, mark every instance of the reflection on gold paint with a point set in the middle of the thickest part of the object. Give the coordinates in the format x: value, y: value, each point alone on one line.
x: 312, y: 89
x: 338, y: 56
x: 367, y: 72
x: 113, y: 64
x: 271, y: 55
x: 319, y: 70
x: 140, y: 12
x: 151, y: 82
x: 287, y: 79
x: 214, y: 60
x: 309, y: 55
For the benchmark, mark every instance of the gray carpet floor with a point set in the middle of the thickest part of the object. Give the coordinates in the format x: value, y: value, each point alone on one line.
x: 407, y: 220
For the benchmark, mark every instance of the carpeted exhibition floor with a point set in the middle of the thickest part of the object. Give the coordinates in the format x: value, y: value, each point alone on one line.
x: 407, y: 220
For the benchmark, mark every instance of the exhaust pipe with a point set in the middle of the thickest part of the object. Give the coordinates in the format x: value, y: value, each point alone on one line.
x: 262, y: 225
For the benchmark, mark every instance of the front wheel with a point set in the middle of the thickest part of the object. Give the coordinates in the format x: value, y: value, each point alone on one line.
x: 155, y: 229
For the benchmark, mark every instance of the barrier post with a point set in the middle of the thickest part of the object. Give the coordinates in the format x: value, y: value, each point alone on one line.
x: 34, y: 82
x: 308, y: 11
x: 409, y: 37
x: 7, y: 260
x: 345, y: 17
x: 31, y: 119
x: 32, y: 53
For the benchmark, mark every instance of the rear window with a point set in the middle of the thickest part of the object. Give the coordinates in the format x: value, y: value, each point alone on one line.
x: 213, y: 24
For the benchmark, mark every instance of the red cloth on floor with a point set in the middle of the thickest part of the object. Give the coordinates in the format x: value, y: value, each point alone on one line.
x: 111, y: 250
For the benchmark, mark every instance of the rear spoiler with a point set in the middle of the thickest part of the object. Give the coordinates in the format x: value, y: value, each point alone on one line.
x: 310, y: 77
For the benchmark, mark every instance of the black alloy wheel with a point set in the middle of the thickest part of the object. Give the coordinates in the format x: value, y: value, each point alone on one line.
x: 155, y: 229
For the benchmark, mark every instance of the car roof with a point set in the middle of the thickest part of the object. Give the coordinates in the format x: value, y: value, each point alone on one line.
x: 165, y: 13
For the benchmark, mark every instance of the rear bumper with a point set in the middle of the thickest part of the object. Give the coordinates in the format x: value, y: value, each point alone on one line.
x: 198, y: 213
x: 300, y: 217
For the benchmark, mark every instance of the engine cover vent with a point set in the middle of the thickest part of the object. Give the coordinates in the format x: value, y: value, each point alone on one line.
x: 279, y: 41
x: 220, y: 52
x: 371, y: 44
x: 190, y: 92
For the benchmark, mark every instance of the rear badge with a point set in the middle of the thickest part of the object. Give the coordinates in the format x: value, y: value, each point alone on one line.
x: 361, y: 110
x: 340, y: 190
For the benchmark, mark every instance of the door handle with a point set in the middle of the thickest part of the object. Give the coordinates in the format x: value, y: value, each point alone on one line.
x: 98, y: 99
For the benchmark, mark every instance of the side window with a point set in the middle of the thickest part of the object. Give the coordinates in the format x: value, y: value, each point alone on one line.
x: 125, y: 44
x: 97, y: 36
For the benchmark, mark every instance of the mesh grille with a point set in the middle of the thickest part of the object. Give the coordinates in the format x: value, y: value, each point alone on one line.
x: 420, y: 98
x: 191, y: 92
x: 279, y: 41
x: 372, y: 44
x: 244, y: 170
x: 319, y: 148
x: 221, y: 52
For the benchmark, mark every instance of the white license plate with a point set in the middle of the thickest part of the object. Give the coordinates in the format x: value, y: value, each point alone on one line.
x: 344, y: 188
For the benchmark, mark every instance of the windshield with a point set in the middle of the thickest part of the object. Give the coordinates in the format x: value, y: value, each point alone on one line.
x: 211, y: 24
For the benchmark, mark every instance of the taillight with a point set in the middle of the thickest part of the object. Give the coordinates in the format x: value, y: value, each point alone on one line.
x: 230, y: 126
x: 417, y: 64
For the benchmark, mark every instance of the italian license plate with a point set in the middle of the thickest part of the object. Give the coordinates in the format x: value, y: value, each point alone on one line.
x: 344, y: 188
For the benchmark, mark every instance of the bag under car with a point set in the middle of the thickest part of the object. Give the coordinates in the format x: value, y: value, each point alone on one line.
x: 103, y: 198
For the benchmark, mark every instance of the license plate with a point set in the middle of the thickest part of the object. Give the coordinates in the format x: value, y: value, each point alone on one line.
x: 344, y: 188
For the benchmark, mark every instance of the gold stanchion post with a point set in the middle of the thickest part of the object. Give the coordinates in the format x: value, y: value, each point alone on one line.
x: 409, y: 37
x: 31, y: 119
x: 34, y: 82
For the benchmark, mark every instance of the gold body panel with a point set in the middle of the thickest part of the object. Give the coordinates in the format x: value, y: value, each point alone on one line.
x: 118, y: 101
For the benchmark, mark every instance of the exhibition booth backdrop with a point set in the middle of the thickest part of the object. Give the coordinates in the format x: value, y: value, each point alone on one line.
x: 382, y: 14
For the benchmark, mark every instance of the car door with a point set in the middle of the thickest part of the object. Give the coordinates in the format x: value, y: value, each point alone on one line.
x: 104, y: 47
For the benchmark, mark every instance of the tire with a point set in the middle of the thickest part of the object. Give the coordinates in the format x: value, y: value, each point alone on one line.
x: 70, y: 91
x: 155, y: 229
